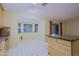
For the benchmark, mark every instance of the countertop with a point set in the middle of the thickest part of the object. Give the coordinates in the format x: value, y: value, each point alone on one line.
x: 65, y: 37
x: 3, y: 39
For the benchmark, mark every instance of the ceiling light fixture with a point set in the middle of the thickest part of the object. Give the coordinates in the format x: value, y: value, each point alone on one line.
x: 44, y: 4
x: 34, y: 3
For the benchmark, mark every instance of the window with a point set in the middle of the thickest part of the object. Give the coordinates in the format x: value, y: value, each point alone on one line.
x: 27, y: 27
x: 19, y: 27
x: 36, y: 27
x: 55, y: 29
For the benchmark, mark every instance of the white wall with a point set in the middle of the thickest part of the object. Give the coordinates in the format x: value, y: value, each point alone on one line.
x: 71, y: 27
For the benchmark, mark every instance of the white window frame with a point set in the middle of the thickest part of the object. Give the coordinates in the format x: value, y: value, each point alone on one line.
x: 33, y: 28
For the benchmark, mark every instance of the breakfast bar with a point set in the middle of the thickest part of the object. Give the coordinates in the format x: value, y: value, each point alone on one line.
x: 65, y: 45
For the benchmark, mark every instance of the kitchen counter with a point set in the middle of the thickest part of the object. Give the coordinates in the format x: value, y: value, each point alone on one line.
x: 3, y: 39
x: 65, y: 37
x: 65, y: 45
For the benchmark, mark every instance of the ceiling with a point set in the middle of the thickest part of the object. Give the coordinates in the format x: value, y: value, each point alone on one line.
x: 58, y: 11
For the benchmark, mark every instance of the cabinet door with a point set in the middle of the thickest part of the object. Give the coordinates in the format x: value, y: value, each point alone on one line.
x: 2, y: 48
x: 1, y: 16
x: 75, y: 48
x: 59, y: 47
x: 2, y: 45
x: 51, y: 40
x: 7, y: 45
x: 51, y: 44
x: 64, y: 42
x: 64, y: 47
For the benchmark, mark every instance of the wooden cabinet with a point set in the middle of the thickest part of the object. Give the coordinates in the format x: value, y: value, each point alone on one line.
x: 7, y: 45
x: 59, y: 47
x: 75, y: 48
x: 4, y: 46
x: 1, y: 15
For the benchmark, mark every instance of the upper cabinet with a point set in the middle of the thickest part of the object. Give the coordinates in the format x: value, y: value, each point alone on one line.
x: 1, y: 15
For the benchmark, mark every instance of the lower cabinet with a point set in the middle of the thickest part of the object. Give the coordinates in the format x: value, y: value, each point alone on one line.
x: 2, y: 48
x: 59, y: 47
x: 4, y: 45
